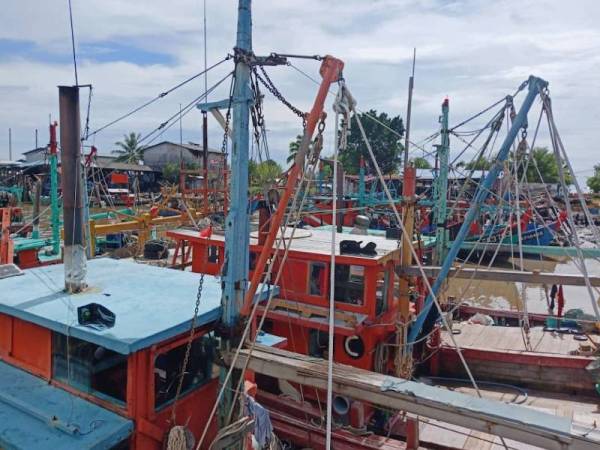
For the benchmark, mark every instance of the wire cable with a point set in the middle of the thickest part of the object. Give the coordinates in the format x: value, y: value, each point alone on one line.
x: 73, y: 44
x: 158, y: 97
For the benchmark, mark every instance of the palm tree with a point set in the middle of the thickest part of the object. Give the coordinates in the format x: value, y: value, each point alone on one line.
x: 130, y: 150
x: 294, y: 146
x: 264, y: 175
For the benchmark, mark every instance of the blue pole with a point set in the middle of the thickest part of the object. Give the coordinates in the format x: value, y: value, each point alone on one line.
x: 535, y: 85
x: 237, y: 224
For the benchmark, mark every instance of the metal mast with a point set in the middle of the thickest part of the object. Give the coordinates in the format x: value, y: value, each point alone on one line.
x: 235, y: 273
x: 441, y: 189
x: 237, y: 227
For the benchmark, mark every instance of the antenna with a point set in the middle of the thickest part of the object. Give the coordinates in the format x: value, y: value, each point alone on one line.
x: 411, y: 84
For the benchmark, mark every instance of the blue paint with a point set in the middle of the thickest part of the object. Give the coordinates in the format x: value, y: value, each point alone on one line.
x: 237, y: 226
x: 464, y: 403
x: 151, y: 304
x: 37, y: 415
x: 534, y: 85
x: 100, y: 51
x: 270, y: 340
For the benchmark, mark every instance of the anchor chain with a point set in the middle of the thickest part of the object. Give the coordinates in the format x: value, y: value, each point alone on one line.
x: 188, y: 349
x: 268, y: 83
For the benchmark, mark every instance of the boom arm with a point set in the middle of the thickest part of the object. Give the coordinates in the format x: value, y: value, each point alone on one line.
x: 331, y: 71
x: 535, y: 85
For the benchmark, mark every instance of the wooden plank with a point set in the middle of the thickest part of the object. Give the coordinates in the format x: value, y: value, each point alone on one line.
x: 509, y: 421
x: 515, y: 276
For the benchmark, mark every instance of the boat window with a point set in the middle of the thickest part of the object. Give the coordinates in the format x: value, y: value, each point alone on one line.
x: 89, y: 367
x: 213, y: 254
x: 252, y: 260
x: 381, y: 293
x: 318, y: 342
x: 167, y: 369
x: 317, y: 280
x: 349, y: 284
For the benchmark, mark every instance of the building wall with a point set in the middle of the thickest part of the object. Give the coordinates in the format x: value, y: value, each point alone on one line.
x: 167, y: 152
x: 36, y: 155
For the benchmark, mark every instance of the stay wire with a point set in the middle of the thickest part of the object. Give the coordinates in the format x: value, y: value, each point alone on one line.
x: 186, y: 109
x: 73, y: 43
x: 159, y: 96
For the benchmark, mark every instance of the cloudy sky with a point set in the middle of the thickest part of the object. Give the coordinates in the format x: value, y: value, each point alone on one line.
x: 473, y: 51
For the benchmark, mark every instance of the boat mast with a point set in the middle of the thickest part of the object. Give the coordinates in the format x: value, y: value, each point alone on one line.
x: 235, y: 272
x: 236, y: 226
x: 441, y: 189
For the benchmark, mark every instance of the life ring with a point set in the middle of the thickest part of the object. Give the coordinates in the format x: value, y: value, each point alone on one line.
x: 354, y: 347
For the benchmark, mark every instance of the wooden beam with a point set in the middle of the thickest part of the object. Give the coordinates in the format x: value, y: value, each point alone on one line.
x: 534, y: 277
x: 510, y: 421
x: 545, y: 250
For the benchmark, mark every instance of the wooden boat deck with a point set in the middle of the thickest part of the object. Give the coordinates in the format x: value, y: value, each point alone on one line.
x: 584, y: 411
x: 510, y: 338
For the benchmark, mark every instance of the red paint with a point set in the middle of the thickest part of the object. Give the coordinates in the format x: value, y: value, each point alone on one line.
x: 26, y: 345
x: 331, y: 70
x: 560, y: 298
x: 516, y: 357
x: 119, y: 178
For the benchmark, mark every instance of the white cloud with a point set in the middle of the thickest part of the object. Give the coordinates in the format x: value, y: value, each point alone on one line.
x: 472, y: 51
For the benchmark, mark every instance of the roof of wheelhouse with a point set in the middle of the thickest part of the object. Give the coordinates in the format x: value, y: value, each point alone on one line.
x: 151, y: 304
x: 315, y: 241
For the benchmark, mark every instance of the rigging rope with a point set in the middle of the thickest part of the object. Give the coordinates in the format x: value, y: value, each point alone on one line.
x: 159, y: 96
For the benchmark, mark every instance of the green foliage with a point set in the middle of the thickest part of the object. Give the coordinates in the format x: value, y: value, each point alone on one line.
x: 548, y: 168
x: 480, y: 163
x: 263, y: 175
x: 171, y: 171
x: 593, y: 182
x: 293, y: 149
x: 130, y: 150
x: 385, y: 143
x: 421, y: 163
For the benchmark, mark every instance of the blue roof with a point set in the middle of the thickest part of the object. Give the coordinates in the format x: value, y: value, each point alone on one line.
x: 36, y: 415
x: 151, y: 303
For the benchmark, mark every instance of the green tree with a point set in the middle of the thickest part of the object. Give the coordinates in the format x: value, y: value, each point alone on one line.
x: 593, y: 182
x: 548, y: 168
x: 480, y: 163
x: 421, y: 163
x: 264, y: 175
x: 385, y: 143
x: 293, y: 149
x: 129, y: 150
x: 170, y: 172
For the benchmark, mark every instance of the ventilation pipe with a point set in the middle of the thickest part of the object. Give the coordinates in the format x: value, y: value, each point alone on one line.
x: 72, y: 189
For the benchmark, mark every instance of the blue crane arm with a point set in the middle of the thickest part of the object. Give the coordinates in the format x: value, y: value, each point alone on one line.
x: 535, y: 85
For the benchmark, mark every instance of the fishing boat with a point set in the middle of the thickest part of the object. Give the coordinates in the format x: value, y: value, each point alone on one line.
x: 117, y: 354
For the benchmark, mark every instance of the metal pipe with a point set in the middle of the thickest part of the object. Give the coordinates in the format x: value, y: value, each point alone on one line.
x: 35, y: 233
x: 72, y: 189
x: 205, y: 159
x: 54, y: 208
x: 411, y: 85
